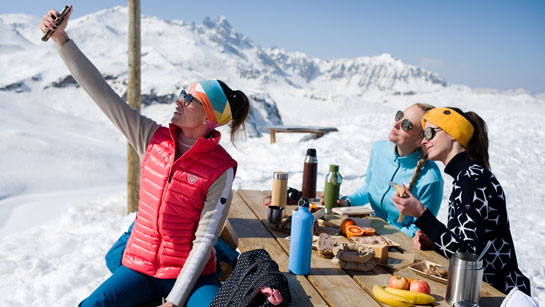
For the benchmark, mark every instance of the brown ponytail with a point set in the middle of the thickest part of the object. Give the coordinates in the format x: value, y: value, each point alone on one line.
x: 477, y: 148
x: 240, y: 107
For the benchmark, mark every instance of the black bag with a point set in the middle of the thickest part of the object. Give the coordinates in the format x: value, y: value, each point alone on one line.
x: 254, y: 270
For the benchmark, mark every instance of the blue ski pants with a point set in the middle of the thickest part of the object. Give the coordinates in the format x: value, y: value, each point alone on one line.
x: 127, y: 287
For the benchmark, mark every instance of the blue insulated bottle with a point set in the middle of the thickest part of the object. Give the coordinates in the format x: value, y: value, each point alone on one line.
x: 301, y: 239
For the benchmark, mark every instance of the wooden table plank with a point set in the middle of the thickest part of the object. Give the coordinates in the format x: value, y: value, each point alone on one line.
x: 335, y: 286
x: 248, y: 233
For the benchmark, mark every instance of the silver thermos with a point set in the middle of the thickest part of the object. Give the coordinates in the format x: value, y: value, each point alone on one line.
x: 465, y: 275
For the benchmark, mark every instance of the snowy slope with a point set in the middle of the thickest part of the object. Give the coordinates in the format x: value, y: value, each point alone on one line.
x: 63, y: 169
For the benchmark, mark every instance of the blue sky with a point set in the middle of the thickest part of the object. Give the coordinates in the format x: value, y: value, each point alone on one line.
x: 492, y: 44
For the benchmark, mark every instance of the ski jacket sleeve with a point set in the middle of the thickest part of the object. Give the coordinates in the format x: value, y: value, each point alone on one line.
x: 466, y: 225
x: 361, y: 196
x: 212, y: 219
x: 137, y: 128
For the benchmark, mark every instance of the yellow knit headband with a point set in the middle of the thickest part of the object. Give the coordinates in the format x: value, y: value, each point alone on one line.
x: 452, y: 122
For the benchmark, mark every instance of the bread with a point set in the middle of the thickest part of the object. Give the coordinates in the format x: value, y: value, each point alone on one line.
x: 401, y: 193
x: 326, y: 243
x: 356, y: 266
x: 354, y: 253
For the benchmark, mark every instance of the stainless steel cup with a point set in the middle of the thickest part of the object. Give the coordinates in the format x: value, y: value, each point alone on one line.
x: 465, y: 276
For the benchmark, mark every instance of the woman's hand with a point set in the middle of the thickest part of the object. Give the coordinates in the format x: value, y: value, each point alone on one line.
x: 48, y: 22
x: 422, y: 241
x: 408, y: 204
x: 341, y: 202
x: 168, y: 304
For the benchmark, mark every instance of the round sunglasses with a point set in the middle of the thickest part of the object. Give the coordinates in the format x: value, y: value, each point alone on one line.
x: 429, y: 133
x: 187, y: 98
x: 406, y: 124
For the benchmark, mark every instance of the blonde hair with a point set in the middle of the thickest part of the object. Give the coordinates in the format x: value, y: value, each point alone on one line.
x: 423, y: 157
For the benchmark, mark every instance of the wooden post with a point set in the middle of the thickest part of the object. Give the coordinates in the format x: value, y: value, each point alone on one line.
x: 134, y: 98
x: 273, y: 136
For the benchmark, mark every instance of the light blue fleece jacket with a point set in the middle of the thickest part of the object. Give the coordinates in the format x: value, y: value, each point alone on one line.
x: 386, y: 165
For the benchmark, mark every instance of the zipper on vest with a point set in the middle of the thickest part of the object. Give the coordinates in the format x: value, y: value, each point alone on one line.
x: 170, y: 177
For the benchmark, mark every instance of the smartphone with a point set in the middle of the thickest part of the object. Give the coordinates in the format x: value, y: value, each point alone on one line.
x: 58, y: 20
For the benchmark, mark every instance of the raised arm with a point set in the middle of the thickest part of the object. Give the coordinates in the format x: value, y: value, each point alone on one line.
x: 137, y: 129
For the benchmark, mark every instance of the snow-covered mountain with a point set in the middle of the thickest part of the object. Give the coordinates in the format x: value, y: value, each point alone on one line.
x: 176, y: 53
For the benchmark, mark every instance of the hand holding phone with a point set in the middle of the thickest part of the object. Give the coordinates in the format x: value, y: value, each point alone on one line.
x: 58, y: 20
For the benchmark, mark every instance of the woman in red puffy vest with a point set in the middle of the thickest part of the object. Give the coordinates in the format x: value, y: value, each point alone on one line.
x: 185, y: 186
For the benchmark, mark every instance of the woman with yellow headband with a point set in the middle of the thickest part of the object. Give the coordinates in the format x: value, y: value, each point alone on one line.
x: 185, y: 186
x: 477, y: 210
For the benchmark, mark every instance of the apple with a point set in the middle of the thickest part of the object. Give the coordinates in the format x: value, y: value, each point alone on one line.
x: 398, y: 282
x: 420, y: 286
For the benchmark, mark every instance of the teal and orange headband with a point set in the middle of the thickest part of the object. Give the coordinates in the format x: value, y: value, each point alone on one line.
x: 452, y: 122
x: 215, y: 103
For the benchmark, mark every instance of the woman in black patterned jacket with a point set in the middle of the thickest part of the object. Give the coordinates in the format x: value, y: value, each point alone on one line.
x: 477, y: 211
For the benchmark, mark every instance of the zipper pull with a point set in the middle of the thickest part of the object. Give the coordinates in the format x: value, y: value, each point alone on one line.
x: 170, y: 177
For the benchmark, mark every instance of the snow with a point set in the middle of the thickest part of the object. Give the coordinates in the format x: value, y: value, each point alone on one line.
x: 63, y: 165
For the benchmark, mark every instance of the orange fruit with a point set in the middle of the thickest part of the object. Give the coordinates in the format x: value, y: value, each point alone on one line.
x: 410, y: 279
x: 345, y: 223
x: 368, y: 231
x: 354, y: 231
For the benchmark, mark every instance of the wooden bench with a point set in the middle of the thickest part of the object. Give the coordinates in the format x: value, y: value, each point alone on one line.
x: 316, y: 130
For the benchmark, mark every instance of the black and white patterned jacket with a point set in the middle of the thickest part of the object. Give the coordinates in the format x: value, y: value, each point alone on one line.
x: 477, y: 214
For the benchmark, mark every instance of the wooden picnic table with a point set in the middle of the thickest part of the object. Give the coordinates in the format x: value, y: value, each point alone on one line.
x: 328, y: 285
x: 316, y: 130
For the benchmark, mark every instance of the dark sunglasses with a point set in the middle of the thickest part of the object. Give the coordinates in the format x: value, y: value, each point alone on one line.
x: 406, y: 124
x: 187, y: 98
x: 429, y: 133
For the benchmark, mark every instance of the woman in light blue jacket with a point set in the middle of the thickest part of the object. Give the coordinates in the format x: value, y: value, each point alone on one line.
x: 401, y: 160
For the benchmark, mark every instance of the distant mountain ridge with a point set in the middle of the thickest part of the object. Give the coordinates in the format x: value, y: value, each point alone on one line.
x: 177, y: 53
x: 251, y: 62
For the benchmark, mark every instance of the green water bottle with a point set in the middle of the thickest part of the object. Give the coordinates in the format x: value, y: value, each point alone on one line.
x: 332, y: 187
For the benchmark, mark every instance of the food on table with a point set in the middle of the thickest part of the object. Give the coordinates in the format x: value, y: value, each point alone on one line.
x: 326, y: 243
x: 354, y: 231
x: 355, y: 266
x: 436, y: 270
x: 421, y: 286
x: 353, y: 253
x: 391, y: 299
x: 417, y: 297
x: 398, y: 282
x: 314, y: 207
x: 368, y: 231
x: 345, y: 223
x: 375, y: 240
x: 381, y: 252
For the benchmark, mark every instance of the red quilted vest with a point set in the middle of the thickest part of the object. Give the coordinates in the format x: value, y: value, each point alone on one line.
x: 172, y: 195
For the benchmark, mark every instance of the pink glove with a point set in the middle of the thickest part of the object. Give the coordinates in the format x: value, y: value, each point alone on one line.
x: 273, y: 295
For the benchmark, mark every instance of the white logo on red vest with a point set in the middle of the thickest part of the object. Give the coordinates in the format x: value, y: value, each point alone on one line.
x: 192, y: 178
